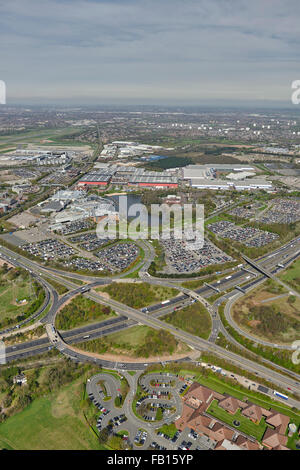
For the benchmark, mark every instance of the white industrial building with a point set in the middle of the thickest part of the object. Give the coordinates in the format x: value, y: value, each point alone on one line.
x: 253, y: 184
x: 240, y: 175
x: 218, y: 184
x: 67, y: 195
x: 209, y: 171
x: 69, y: 216
x: 124, y: 149
x: 91, y: 206
x: 42, y: 157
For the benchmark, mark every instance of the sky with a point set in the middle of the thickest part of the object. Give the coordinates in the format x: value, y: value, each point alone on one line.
x: 149, y: 51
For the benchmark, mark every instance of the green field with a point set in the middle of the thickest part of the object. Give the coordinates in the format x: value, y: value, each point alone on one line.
x: 292, y: 275
x: 15, y: 285
x: 8, y: 299
x: 52, y: 422
x: 137, y: 341
x: 126, y: 340
x: 133, y: 336
x: 246, y: 426
x: 57, y: 136
x: 168, y: 429
x: 268, y: 312
x: 138, y: 295
x: 193, y: 319
x: 81, y: 311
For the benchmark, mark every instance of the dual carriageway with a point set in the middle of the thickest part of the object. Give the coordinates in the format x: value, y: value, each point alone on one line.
x: 271, y: 263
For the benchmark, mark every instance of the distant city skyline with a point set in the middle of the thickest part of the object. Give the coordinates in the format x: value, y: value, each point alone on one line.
x: 201, y: 52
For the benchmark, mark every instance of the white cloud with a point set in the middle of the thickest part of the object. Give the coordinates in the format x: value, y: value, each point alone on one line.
x: 151, y: 49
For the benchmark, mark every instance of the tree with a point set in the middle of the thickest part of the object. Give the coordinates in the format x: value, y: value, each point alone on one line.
x: 142, y: 409
x: 291, y: 299
x: 118, y: 400
x: 159, y: 414
x: 104, y: 435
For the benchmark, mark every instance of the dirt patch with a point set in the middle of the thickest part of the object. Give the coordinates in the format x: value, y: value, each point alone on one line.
x: 3, y: 261
x: 103, y: 294
x: 126, y: 358
x: 254, y: 323
x: 20, y: 304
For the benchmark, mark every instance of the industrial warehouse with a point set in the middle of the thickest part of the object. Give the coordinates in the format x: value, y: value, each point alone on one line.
x: 131, y: 176
x: 213, y: 177
x: 213, y: 170
x: 218, y: 184
x: 235, y: 176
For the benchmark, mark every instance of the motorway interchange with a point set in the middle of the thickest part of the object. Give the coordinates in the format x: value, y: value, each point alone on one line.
x: 251, y: 275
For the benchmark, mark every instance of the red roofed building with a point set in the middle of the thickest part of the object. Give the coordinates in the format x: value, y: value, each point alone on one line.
x: 274, y: 441
x: 275, y: 438
x: 255, y: 413
x: 279, y: 421
x: 231, y: 404
x: 223, y: 437
x: 246, y: 444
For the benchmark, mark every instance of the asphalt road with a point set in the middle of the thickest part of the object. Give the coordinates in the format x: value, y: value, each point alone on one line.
x: 133, y: 423
x: 50, y: 294
x: 198, y: 343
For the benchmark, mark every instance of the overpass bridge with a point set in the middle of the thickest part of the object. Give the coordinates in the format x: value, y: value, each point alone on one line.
x: 270, y: 275
x: 258, y: 267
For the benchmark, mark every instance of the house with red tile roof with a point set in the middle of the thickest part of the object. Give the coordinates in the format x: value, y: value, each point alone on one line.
x: 197, y: 400
x: 278, y: 421
x: 273, y: 440
x: 274, y: 437
x: 246, y: 444
x: 231, y: 404
x: 255, y: 412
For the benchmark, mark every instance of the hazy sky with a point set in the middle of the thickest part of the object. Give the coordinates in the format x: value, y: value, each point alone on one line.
x: 149, y: 51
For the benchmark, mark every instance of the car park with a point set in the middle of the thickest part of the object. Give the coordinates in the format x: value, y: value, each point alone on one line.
x: 76, y: 226
x: 89, y: 241
x: 248, y: 236
x: 49, y: 249
x: 119, y: 256
x: 181, y: 259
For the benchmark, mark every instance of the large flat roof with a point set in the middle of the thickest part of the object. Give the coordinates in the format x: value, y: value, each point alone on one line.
x: 95, y: 177
x: 207, y: 182
x: 229, y: 183
x: 228, y: 166
x: 153, y: 179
